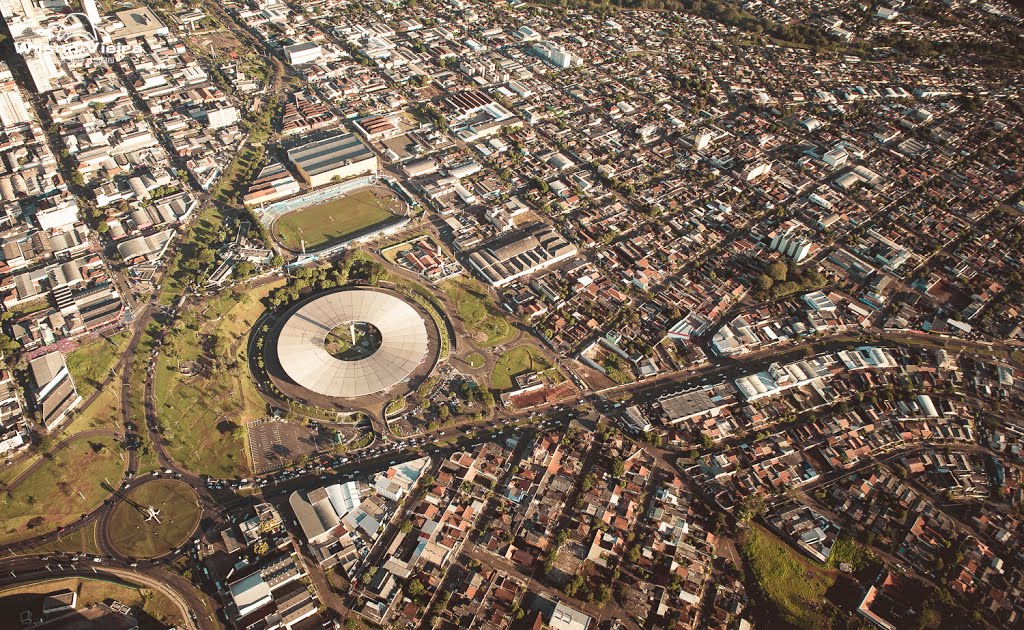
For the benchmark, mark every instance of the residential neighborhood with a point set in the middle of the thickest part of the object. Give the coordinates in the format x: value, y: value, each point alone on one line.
x: 452, y: 314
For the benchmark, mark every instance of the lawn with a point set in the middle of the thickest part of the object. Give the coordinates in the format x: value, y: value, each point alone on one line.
x: 333, y: 220
x: 82, y: 540
x: 795, y: 587
x: 203, y: 415
x: 475, y: 360
x: 90, y: 364
x: 103, y: 413
x: 516, y: 361
x: 62, y: 489
x: 134, y: 536
x: 478, y: 312
x: 159, y: 612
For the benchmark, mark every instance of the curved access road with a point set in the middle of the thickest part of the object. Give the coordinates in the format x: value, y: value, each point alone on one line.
x: 195, y: 608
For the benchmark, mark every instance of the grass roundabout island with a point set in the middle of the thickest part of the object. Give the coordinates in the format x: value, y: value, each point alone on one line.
x: 132, y: 535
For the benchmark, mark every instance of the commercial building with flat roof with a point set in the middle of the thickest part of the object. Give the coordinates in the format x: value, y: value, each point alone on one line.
x: 139, y: 22
x: 305, y: 52
x: 689, y: 405
x: 521, y: 253
x: 341, y: 156
x: 54, y: 390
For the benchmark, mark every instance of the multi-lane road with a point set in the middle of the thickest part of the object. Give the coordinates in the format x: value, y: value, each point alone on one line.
x: 220, y: 500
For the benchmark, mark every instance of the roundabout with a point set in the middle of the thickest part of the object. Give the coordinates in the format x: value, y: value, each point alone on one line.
x: 153, y: 519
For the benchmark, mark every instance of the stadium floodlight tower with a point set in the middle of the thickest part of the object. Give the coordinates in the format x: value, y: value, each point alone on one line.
x: 153, y: 514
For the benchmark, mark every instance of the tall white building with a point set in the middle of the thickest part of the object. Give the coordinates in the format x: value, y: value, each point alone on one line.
x: 12, y: 8
x: 556, y: 55
x: 13, y: 111
x: 791, y: 244
x: 91, y: 12
x: 702, y: 140
x: 42, y: 67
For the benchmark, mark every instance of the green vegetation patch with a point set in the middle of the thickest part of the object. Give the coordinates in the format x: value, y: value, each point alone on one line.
x: 333, y: 220
x: 795, y: 587
x: 846, y: 550
x: 134, y: 536
x: 82, y: 540
x: 475, y: 360
x: 514, y: 362
x: 195, y: 256
x: 395, y: 406
x: 90, y: 364
x: 70, y: 484
x: 478, y: 312
x: 203, y: 415
x: 103, y: 413
x: 158, y: 611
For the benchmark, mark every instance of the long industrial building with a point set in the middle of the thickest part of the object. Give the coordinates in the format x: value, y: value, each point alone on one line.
x: 340, y: 156
x: 521, y: 253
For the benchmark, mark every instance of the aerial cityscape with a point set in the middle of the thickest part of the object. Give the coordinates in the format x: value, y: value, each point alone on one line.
x: 574, y: 314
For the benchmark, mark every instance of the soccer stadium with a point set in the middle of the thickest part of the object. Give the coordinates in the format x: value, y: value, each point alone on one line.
x: 353, y: 343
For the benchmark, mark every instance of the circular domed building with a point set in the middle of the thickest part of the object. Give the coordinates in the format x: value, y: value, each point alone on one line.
x: 352, y: 343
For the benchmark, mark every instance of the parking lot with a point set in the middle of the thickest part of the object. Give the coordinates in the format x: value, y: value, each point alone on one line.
x: 275, y: 444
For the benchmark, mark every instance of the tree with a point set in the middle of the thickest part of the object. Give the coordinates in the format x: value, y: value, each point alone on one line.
x: 751, y: 506
x: 573, y: 586
x: 618, y: 467
x: 633, y: 555
x: 777, y: 271
x: 415, y: 588
x: 244, y: 269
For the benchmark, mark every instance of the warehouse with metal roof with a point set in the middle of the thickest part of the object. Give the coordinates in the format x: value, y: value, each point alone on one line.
x: 521, y: 253
x: 400, y: 343
x: 341, y: 156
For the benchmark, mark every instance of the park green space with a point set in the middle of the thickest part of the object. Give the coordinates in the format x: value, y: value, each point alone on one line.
x: 514, y: 362
x: 103, y: 413
x: 56, y: 493
x: 795, y: 587
x: 483, y: 319
x: 207, y: 229
x: 333, y: 220
x: 158, y: 611
x: 475, y: 360
x: 203, y: 415
x: 82, y: 540
x: 134, y: 536
x: 90, y: 364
